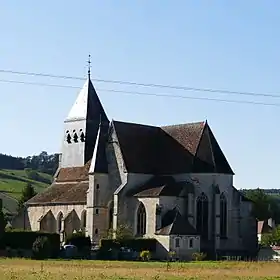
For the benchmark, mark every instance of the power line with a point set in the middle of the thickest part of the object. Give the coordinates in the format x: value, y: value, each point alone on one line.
x: 40, y: 75
x: 185, y: 88
x: 36, y: 84
x: 148, y: 94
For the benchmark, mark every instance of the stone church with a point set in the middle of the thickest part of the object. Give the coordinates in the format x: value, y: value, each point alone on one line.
x: 172, y: 183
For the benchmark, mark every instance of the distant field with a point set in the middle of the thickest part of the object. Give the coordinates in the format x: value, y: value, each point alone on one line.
x: 13, y: 181
x: 86, y: 270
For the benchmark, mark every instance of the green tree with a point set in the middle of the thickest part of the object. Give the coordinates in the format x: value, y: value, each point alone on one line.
x: 123, y: 231
x: 27, y: 193
x: 272, y: 238
x: 3, y: 221
x: 266, y: 239
x: 262, y: 204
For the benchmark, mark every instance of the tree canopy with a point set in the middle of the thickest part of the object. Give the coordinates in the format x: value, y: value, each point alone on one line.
x: 27, y: 193
x: 3, y: 221
x: 43, y: 162
x: 265, y: 206
x: 272, y: 238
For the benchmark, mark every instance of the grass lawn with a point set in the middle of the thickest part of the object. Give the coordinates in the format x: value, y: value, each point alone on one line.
x: 78, y: 270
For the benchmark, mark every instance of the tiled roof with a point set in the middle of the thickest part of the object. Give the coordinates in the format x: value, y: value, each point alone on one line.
x: 188, y: 134
x: 174, y: 223
x: 70, y: 186
x: 160, y: 186
x: 183, y: 148
x: 71, y: 174
x: 62, y: 193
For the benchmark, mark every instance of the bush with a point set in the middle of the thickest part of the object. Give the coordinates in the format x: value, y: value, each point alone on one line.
x: 34, y: 175
x: 136, y: 244
x: 171, y: 256
x: 41, y: 248
x: 198, y: 256
x: 19, y: 239
x: 79, y: 240
x: 145, y: 256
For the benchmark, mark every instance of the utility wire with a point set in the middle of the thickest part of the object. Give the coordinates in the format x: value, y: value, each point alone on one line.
x: 185, y: 88
x: 147, y: 94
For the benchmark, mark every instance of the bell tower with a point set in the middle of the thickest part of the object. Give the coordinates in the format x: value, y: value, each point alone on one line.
x: 81, y: 127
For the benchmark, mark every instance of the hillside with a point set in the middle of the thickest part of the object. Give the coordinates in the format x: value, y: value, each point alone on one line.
x: 13, y: 181
x: 16, y: 172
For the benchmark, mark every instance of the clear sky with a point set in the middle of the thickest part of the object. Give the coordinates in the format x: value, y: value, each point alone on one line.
x: 233, y: 45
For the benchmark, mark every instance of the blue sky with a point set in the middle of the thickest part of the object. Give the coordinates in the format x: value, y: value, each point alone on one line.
x: 232, y: 45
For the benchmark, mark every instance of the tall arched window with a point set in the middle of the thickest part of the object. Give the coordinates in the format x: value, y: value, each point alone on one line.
x: 59, y: 222
x: 141, y: 220
x: 202, y: 216
x: 223, y: 216
x: 84, y: 220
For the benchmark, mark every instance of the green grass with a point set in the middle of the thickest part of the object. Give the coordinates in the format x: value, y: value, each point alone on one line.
x: 13, y: 181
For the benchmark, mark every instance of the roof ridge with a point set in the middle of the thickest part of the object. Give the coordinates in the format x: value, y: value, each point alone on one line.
x: 179, y: 124
x: 134, y: 123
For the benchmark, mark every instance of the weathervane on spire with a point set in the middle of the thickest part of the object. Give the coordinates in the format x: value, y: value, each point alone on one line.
x: 89, y: 63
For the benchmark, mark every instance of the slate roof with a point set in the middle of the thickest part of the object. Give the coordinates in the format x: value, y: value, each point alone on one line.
x: 159, y: 186
x: 87, y: 106
x: 185, y: 148
x: 173, y: 223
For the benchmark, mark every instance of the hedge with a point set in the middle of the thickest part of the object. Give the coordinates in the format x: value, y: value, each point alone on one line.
x: 79, y: 240
x: 136, y: 244
x: 25, y: 239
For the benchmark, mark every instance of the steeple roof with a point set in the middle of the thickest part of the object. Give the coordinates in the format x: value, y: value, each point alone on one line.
x: 87, y: 105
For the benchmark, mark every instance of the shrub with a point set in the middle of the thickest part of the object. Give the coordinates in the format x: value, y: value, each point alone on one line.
x: 198, y: 256
x: 20, y: 239
x: 41, y: 248
x: 79, y: 240
x: 123, y: 231
x: 136, y: 244
x: 145, y: 255
x: 171, y: 255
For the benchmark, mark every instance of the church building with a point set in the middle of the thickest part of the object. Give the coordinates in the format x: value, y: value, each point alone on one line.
x: 171, y: 183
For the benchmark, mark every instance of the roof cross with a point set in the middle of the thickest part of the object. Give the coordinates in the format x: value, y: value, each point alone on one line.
x: 89, y: 63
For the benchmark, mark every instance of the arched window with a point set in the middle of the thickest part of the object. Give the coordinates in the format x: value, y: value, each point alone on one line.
x: 59, y: 222
x: 84, y: 219
x: 202, y: 216
x: 82, y: 137
x: 141, y: 220
x: 223, y: 216
x: 75, y: 137
x: 68, y: 137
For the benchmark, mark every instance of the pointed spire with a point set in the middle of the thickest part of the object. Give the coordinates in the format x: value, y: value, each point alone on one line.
x: 87, y: 105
